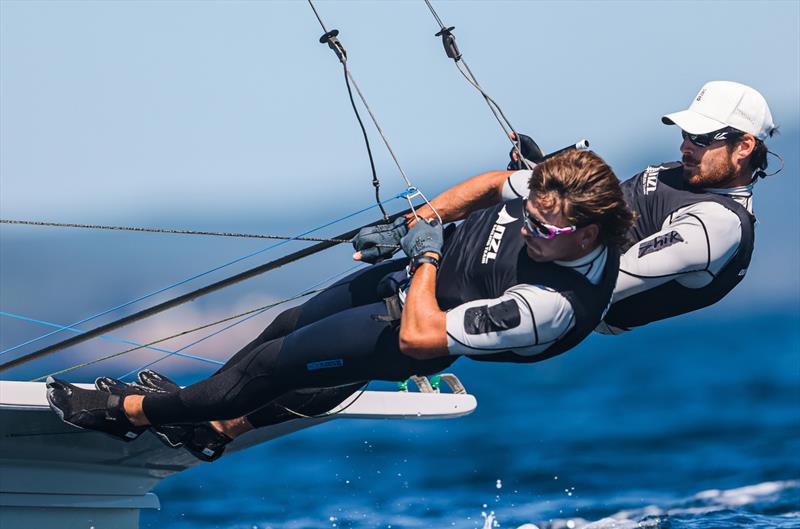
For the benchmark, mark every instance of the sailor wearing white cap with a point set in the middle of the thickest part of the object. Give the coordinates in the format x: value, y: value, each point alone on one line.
x: 695, y: 229
x: 693, y: 237
x: 721, y: 104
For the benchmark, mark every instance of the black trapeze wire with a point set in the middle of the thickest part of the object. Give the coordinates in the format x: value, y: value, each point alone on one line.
x: 452, y: 51
x: 342, y: 54
x: 330, y: 38
x: 376, y: 183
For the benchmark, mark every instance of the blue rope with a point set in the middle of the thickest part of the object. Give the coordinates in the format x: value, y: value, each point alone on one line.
x: 151, y: 294
x: 313, y: 287
x: 111, y: 338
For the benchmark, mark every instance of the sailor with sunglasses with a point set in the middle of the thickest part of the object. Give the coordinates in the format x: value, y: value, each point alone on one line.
x: 518, y: 281
x: 694, y: 233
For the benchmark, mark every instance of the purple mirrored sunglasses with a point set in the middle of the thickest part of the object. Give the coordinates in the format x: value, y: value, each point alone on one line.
x: 538, y: 228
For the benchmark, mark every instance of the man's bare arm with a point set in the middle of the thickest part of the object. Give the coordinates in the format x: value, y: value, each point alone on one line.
x: 454, y: 204
x: 423, y: 327
x: 471, y: 195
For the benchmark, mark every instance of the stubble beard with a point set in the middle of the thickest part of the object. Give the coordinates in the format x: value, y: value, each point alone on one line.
x: 716, y: 176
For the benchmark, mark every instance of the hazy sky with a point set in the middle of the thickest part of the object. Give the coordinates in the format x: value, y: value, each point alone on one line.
x: 128, y: 110
x: 232, y: 116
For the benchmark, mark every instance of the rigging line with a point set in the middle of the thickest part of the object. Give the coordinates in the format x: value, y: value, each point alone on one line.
x: 298, y: 414
x: 361, y: 390
x: 196, y: 276
x: 110, y: 338
x: 330, y: 37
x: 342, y: 54
x: 501, y: 118
x: 305, y: 292
x: 376, y: 183
x: 452, y: 51
x: 380, y: 130
x: 321, y: 23
x: 41, y: 434
x: 168, y: 230
x: 189, y: 296
x: 178, y: 335
x: 449, y: 42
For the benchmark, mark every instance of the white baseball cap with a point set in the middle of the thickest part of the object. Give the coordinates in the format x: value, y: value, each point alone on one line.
x: 721, y: 104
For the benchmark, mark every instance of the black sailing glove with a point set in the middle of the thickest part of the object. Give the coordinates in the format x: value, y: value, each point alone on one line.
x: 380, y: 242
x: 530, y: 151
x: 425, y: 236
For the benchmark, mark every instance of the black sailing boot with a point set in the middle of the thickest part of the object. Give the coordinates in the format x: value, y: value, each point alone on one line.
x: 170, y: 435
x: 203, y: 440
x: 91, y: 410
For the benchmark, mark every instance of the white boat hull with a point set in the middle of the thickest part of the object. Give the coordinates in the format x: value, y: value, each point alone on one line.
x: 53, y: 475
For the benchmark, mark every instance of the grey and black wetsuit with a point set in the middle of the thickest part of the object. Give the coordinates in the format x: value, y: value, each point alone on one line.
x: 688, y: 247
x: 502, y: 306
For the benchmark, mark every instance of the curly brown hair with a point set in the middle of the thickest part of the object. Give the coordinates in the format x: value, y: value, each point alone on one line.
x: 587, y: 191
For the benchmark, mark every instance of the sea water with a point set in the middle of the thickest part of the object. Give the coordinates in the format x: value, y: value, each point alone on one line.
x: 692, y: 423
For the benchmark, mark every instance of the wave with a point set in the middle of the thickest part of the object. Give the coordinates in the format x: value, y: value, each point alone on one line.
x: 772, y: 504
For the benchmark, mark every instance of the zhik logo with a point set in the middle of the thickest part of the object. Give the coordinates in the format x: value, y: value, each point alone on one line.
x: 496, y: 236
x: 659, y: 243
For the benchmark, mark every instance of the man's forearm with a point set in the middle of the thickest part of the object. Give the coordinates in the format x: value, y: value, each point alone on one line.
x: 478, y: 192
x: 423, y: 326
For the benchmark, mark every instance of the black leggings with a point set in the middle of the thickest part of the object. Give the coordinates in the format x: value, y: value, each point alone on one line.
x: 341, y: 336
x: 308, y: 402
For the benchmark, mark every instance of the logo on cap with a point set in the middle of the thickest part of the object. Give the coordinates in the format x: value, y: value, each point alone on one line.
x: 700, y: 95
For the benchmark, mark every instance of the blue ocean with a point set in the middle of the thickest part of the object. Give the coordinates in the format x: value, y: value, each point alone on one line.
x: 688, y: 423
x: 230, y: 116
x: 692, y: 423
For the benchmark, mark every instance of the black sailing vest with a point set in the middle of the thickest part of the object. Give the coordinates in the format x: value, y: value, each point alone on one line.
x: 486, y: 256
x: 654, y: 194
